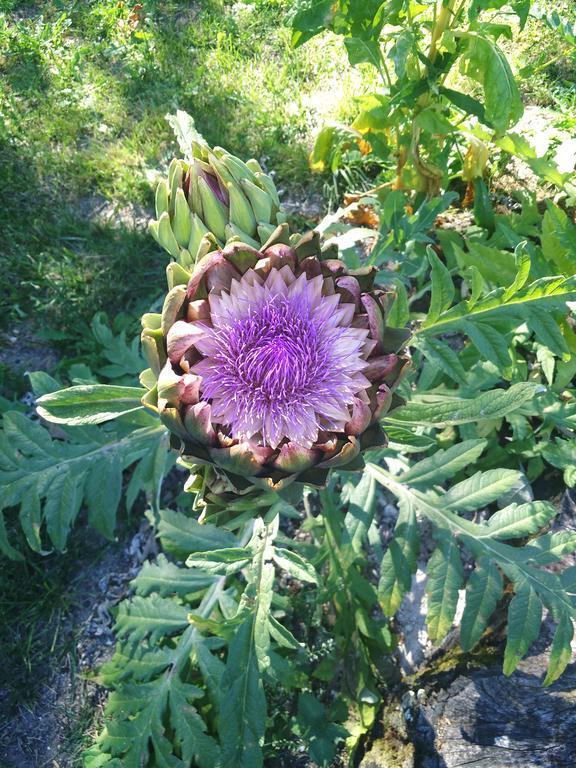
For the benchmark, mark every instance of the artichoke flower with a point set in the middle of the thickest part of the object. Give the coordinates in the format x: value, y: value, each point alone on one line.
x: 271, y: 366
x: 211, y: 199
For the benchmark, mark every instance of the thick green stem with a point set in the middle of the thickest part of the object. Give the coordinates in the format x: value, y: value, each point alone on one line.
x: 443, y: 19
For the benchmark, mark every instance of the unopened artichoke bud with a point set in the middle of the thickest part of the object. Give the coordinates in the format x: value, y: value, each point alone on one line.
x: 275, y: 366
x: 213, y: 191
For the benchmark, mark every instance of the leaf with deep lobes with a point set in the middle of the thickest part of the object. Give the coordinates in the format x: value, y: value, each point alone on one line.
x: 243, y: 704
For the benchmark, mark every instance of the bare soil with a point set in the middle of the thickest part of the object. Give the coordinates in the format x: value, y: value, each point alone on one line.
x: 46, y: 729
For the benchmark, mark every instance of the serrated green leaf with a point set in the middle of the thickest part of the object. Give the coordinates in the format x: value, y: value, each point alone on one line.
x: 361, y: 509
x: 31, y: 518
x: 149, y: 617
x: 321, y: 735
x: 483, y: 61
x: 546, y: 329
x: 167, y: 579
x: 442, y: 356
x: 545, y: 294
x: 221, y: 561
x: 196, y: 746
x: 62, y: 507
x: 446, y: 411
x: 262, y: 614
x: 495, y: 266
x: 442, y: 290
x: 361, y: 51
x: 89, y: 404
x: 481, y: 489
x: 559, y: 239
x: 534, y: 585
x: 443, y: 464
x: 134, y: 738
x: 519, y: 520
x: 561, y: 453
x: 483, y: 592
x: 36, y: 468
x: 399, y: 561
x: 185, y: 131
x: 283, y: 636
x: 491, y: 344
x: 243, y: 704
x: 5, y: 547
x: 212, y: 670
x: 409, y: 440
x: 399, y: 314
x: 524, y: 619
x: 523, y: 264
x: 561, y: 651
x: 551, y: 547
x: 295, y: 565
x: 180, y: 534
x: 135, y: 663
x: 103, y: 492
x: 445, y: 578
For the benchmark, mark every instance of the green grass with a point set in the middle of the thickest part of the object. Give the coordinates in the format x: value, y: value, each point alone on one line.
x: 82, y: 106
x: 547, y: 60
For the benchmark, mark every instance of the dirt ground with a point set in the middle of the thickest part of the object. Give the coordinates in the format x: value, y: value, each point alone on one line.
x: 46, y: 728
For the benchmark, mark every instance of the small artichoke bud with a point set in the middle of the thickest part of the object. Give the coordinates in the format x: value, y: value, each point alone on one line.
x: 213, y: 192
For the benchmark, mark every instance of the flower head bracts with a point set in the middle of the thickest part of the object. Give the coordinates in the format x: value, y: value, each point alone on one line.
x: 273, y: 365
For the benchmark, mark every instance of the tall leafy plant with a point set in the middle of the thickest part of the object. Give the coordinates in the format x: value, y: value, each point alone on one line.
x: 447, y: 99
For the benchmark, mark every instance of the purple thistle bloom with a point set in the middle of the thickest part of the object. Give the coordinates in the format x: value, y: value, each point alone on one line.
x: 273, y: 366
x: 280, y: 359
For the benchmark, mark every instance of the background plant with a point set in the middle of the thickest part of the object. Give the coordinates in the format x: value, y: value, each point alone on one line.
x: 448, y: 97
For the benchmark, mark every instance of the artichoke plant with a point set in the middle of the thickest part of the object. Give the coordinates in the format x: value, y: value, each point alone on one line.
x: 271, y: 362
